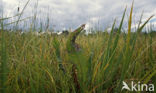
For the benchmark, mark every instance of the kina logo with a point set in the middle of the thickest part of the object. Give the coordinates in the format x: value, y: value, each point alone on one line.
x: 137, y: 86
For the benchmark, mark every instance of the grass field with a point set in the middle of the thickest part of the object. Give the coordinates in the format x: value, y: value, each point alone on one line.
x: 50, y: 64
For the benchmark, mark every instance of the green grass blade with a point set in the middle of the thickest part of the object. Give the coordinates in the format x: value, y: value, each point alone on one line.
x: 3, y: 63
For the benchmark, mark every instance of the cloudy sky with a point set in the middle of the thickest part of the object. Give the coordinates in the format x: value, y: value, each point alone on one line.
x: 72, y: 13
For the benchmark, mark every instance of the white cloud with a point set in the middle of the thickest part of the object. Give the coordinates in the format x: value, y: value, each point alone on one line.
x: 71, y: 13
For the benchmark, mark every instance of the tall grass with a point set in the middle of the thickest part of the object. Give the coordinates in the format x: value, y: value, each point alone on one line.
x: 51, y: 63
x: 3, y: 62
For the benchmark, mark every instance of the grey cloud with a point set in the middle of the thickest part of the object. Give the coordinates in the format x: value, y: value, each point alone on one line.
x: 71, y: 13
